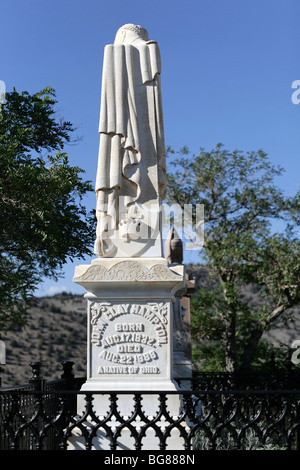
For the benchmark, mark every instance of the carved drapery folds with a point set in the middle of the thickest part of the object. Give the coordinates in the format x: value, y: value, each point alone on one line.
x: 131, y: 161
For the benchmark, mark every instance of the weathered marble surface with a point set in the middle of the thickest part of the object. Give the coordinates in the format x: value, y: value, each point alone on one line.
x: 130, y: 182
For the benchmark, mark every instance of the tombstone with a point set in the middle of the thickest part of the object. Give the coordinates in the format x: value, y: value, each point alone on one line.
x: 2, y: 353
x: 2, y: 92
x: 131, y: 288
x: 2, y: 356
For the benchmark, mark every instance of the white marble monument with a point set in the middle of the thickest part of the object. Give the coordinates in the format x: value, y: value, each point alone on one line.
x: 130, y: 287
x: 130, y: 182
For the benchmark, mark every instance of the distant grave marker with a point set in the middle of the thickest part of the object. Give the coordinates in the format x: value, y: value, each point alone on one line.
x: 2, y: 353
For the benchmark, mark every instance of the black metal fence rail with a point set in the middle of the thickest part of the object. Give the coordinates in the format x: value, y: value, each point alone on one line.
x: 227, y: 420
x: 283, y: 380
x: 214, y: 412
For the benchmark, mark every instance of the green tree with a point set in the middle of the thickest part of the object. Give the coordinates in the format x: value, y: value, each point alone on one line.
x: 242, y: 248
x: 43, y: 221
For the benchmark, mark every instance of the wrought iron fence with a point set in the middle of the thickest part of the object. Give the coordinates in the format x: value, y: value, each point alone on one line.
x: 206, y: 421
x: 267, y: 380
x: 55, y: 417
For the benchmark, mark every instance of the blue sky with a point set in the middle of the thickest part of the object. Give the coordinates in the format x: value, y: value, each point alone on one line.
x: 227, y: 71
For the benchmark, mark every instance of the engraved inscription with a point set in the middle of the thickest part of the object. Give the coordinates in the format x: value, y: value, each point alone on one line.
x: 128, y: 338
x: 129, y: 327
x: 128, y: 370
x: 128, y: 359
x: 132, y: 338
x: 128, y: 348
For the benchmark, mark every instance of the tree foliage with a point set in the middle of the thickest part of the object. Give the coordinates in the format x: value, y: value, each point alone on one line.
x: 251, y: 239
x: 43, y: 221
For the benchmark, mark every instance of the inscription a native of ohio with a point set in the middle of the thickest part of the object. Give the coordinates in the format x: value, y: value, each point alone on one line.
x: 129, y: 339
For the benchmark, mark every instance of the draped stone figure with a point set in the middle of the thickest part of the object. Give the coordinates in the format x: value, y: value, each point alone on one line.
x: 130, y: 181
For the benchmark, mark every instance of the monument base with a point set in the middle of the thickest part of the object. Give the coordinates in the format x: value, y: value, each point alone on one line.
x: 119, y: 421
x: 126, y: 439
x: 130, y: 346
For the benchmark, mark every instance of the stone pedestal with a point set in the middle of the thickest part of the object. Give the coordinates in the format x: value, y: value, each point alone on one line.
x: 131, y: 305
x: 130, y: 322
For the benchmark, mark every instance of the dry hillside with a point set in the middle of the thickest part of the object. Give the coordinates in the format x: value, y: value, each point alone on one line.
x: 56, y: 332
